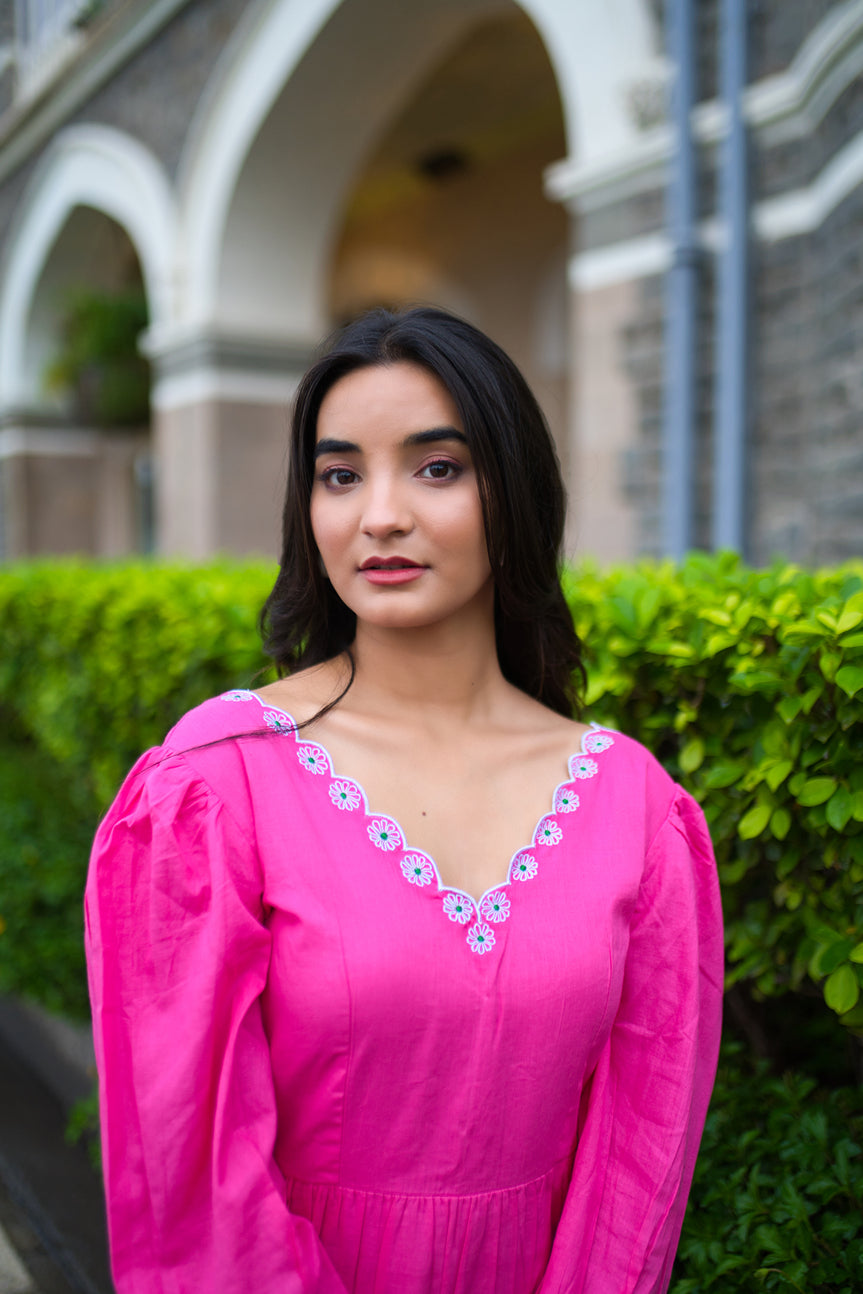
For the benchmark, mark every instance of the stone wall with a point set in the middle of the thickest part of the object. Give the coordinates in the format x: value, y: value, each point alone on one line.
x: 805, y: 498
x: 153, y: 97
x: 157, y: 93
x: 834, y: 435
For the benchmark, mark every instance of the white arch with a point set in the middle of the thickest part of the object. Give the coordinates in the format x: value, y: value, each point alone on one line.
x: 268, y: 51
x: 596, y: 50
x: 599, y: 52
x: 90, y: 166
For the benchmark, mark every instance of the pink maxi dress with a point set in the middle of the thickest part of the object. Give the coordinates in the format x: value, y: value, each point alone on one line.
x: 322, y: 1070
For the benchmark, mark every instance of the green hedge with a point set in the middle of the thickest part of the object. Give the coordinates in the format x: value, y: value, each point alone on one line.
x: 748, y: 685
x: 97, y: 663
x: 776, y: 1197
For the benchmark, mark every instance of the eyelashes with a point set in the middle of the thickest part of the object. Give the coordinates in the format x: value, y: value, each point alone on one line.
x: 329, y: 476
x: 439, y: 469
x: 453, y: 470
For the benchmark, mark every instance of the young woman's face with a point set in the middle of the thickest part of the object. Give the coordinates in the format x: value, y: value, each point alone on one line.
x: 395, y: 506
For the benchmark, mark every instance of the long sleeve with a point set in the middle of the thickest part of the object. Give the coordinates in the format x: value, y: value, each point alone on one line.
x: 178, y: 957
x: 644, y: 1110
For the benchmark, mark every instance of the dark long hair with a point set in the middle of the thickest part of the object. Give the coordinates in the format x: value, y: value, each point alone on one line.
x: 304, y: 621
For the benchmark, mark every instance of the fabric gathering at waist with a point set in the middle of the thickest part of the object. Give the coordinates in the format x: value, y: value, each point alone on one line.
x: 561, y: 1165
x: 487, y: 1242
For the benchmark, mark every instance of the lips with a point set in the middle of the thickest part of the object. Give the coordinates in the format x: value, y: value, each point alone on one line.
x: 389, y: 564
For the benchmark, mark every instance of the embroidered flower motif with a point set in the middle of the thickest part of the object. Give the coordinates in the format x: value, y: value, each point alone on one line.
x: 565, y: 800
x: 458, y: 908
x: 581, y: 767
x: 417, y: 870
x: 495, y: 907
x: 597, y: 742
x: 238, y: 694
x: 548, y: 832
x: 384, y: 834
x: 481, y: 938
x: 345, y: 795
x: 278, y: 722
x: 523, y: 867
x: 312, y: 759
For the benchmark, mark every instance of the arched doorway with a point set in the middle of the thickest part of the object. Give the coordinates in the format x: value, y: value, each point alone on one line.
x: 98, y: 216
x: 81, y: 481
x: 449, y: 208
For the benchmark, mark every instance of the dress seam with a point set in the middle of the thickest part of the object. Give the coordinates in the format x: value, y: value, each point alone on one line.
x: 677, y: 792
x: 350, y: 1056
x: 170, y: 753
x: 427, y: 1195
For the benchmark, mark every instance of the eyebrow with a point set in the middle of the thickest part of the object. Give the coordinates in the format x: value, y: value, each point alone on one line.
x: 332, y: 446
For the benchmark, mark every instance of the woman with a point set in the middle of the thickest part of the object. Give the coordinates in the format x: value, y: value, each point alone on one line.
x: 403, y: 980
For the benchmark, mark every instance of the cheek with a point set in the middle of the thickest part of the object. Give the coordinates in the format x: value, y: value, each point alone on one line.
x: 471, y: 531
x: 327, y: 523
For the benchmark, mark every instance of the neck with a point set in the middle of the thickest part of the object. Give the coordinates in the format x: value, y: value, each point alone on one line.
x: 442, y: 674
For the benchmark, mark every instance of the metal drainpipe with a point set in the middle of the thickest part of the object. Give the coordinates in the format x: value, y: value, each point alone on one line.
x: 732, y: 342
x: 681, y: 292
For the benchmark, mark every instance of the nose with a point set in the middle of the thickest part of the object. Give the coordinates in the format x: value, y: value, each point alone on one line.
x: 386, y: 510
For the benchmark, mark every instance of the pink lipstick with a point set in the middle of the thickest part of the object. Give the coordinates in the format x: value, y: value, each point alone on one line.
x: 391, y: 570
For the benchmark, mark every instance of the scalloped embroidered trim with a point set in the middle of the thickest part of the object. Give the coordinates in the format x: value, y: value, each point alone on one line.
x: 419, y: 868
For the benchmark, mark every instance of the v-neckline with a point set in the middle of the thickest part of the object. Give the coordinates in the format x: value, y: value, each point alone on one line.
x: 418, y: 866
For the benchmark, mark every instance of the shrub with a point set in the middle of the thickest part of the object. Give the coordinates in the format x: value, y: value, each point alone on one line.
x: 776, y: 1197
x: 99, y: 363
x: 44, y: 842
x: 747, y: 685
x: 98, y: 663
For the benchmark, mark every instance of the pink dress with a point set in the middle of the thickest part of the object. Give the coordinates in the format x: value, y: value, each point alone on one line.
x: 322, y: 1070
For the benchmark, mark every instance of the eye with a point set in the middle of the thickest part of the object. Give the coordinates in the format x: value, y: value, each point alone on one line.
x: 337, y: 476
x: 441, y: 469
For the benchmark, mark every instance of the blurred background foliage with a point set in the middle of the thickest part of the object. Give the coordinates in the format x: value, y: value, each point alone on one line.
x: 746, y: 684
x: 98, y: 364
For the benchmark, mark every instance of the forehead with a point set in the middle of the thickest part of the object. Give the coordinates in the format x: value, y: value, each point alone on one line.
x: 399, y: 398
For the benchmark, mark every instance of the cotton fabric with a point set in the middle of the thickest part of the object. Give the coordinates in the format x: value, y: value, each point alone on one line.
x: 318, y: 1074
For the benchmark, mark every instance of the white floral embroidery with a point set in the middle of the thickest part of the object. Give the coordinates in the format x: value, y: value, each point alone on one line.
x: 345, y: 795
x: 481, y: 938
x: 581, y: 767
x: 313, y: 759
x: 384, y: 834
x: 279, y: 722
x: 565, y: 800
x: 417, y: 870
x: 548, y: 832
x: 523, y: 867
x: 458, y: 908
x: 495, y: 907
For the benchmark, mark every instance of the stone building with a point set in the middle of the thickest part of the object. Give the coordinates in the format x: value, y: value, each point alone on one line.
x: 263, y: 169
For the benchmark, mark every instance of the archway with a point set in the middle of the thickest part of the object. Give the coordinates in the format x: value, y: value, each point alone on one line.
x: 450, y: 208
x: 97, y: 168
x: 302, y: 93
x: 77, y: 463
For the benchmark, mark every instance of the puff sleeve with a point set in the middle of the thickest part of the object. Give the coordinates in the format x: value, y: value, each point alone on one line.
x: 178, y: 957
x: 643, y: 1110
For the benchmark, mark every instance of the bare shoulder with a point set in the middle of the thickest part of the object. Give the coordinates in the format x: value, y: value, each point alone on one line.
x: 305, y: 693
